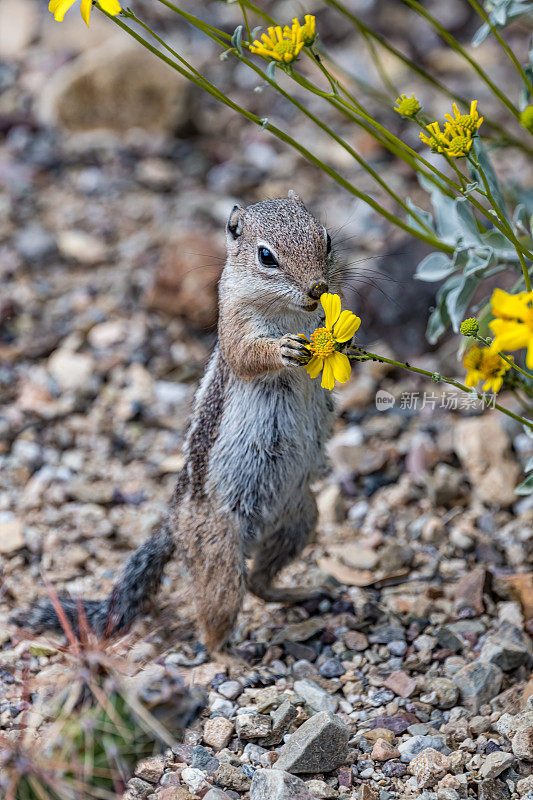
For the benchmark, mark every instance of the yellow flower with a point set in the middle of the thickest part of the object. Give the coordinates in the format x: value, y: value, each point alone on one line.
x: 278, y: 46
x: 407, y: 106
x: 305, y: 32
x: 453, y: 141
x: 513, y: 323
x: 339, y: 327
x: 526, y: 118
x: 59, y: 8
x: 483, y: 365
x: 465, y: 122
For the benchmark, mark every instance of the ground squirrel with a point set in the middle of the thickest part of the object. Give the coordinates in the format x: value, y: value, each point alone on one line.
x: 256, y: 437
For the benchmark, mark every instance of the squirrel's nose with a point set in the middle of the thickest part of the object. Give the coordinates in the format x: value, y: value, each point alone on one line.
x: 317, y: 289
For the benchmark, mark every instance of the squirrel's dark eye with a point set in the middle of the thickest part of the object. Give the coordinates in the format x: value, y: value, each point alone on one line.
x: 328, y: 243
x: 267, y: 258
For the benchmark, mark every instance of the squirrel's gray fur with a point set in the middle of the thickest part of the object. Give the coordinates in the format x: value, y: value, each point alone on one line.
x: 255, y: 441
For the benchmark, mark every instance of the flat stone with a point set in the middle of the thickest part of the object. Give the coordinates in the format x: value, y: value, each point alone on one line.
x: 316, y: 697
x: 400, y: 683
x: 175, y: 793
x: 274, y: 784
x: 230, y: 689
x: 428, y: 767
x: 319, y: 745
x: 478, y: 682
x: 379, y: 733
x: 195, y: 779
x: 218, y: 732
x: 495, y: 763
x: 299, y: 631
x: 416, y: 744
x: 397, y: 724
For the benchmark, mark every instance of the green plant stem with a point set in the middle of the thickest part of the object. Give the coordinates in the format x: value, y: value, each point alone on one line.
x: 495, y: 32
x: 243, y: 12
x: 503, y: 219
x: 367, y: 356
x: 416, y: 68
x: 455, y: 45
x: 188, y: 72
x: 331, y: 133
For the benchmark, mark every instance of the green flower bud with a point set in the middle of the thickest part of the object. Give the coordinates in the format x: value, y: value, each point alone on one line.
x: 469, y: 327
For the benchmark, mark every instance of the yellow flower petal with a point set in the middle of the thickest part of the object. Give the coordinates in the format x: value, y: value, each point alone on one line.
x: 346, y: 326
x: 111, y: 6
x: 313, y: 366
x: 85, y: 10
x: 328, y: 378
x: 512, y: 306
x: 509, y: 336
x: 331, y: 303
x: 59, y: 8
x: 341, y: 366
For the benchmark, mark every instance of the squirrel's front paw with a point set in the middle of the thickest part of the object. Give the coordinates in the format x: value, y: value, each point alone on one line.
x: 293, y: 350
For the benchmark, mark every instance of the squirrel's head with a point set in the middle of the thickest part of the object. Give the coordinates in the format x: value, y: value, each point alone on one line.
x: 279, y: 254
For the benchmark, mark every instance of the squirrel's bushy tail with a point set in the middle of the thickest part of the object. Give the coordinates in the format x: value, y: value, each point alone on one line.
x: 130, y: 596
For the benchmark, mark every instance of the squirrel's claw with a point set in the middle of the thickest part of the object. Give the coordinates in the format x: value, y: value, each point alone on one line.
x: 294, y: 350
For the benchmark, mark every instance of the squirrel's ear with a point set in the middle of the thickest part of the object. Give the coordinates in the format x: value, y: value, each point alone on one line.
x: 291, y: 194
x: 234, y: 226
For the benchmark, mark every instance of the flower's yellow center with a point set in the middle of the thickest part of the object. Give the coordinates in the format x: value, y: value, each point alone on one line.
x: 322, y: 343
x: 459, y: 145
x: 473, y: 358
x: 492, y: 365
x: 467, y: 121
x: 285, y: 49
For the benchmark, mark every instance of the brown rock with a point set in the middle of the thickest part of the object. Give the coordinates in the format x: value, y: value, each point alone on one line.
x: 400, y: 683
x: 482, y: 446
x: 186, y: 281
x: 217, y: 732
x: 355, y: 640
x: 521, y: 587
x: 469, y: 592
x: 174, y: 793
x: 150, y: 769
x: 383, y: 751
x: 379, y: 733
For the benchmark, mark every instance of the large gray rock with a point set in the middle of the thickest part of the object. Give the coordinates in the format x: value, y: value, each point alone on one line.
x: 134, y: 90
x: 273, y: 784
x: 478, y: 683
x: 319, y: 745
x: 507, y: 648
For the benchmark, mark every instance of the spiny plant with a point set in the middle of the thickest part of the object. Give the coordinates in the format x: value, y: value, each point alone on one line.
x: 103, y: 723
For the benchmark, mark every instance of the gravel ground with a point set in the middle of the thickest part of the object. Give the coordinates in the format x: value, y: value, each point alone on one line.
x: 414, y: 678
